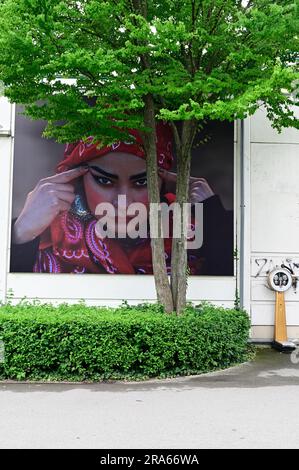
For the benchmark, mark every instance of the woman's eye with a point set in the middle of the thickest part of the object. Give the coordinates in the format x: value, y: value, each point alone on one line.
x: 102, y: 180
x: 141, y: 182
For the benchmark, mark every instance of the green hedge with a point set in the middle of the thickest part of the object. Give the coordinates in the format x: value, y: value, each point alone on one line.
x: 76, y: 342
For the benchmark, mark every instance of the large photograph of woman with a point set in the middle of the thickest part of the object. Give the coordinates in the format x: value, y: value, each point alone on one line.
x: 54, y: 212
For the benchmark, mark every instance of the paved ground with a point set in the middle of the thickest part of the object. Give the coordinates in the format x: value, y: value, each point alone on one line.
x: 255, y: 405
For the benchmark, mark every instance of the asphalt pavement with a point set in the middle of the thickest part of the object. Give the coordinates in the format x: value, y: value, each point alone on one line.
x: 255, y: 405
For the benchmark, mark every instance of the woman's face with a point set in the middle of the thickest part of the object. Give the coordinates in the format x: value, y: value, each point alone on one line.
x: 115, y: 174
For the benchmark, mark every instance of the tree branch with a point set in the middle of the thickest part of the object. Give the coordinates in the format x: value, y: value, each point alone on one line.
x: 174, y: 128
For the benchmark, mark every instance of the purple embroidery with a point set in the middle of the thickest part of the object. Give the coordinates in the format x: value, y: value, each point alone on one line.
x: 72, y: 228
x: 98, y: 248
x: 46, y: 263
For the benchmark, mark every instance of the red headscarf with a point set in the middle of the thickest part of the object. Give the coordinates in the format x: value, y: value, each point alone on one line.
x: 81, y: 152
x: 74, y: 245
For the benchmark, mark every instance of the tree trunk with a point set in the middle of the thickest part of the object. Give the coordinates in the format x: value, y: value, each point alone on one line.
x: 179, y: 251
x: 157, y: 244
x: 149, y: 139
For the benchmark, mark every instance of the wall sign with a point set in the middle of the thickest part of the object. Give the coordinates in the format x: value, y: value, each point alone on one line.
x: 280, y: 280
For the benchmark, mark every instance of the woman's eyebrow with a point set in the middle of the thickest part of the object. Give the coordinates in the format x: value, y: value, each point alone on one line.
x: 138, y: 176
x: 103, y: 172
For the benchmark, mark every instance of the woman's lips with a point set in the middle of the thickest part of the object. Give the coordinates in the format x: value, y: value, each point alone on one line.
x: 118, y: 219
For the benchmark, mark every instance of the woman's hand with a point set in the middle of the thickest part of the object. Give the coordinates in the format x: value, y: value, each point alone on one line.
x: 49, y: 197
x: 199, y: 188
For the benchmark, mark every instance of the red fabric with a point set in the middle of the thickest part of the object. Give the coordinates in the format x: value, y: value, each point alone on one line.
x: 81, y: 152
x: 77, y: 249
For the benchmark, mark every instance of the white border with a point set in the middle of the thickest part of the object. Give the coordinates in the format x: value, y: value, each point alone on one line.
x: 6, y: 152
x: 103, y: 289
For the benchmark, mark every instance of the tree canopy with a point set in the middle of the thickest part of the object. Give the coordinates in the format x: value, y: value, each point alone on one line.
x: 81, y: 64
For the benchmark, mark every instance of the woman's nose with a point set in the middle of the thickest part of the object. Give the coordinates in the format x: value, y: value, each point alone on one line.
x: 123, y: 199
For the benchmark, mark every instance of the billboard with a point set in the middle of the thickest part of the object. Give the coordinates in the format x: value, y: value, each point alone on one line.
x: 81, y: 209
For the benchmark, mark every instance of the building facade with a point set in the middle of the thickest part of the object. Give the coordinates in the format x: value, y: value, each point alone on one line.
x: 266, y: 225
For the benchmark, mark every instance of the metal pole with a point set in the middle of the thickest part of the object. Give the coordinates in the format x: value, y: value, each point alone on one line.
x: 242, y: 215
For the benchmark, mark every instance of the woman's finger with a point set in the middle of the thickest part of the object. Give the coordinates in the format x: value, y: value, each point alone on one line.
x: 67, y: 176
x: 63, y: 206
x: 200, y: 194
x: 195, y: 178
x: 58, y: 187
x: 198, y: 186
x: 66, y: 196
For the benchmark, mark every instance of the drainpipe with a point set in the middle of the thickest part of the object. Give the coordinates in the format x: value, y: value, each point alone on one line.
x: 242, y: 216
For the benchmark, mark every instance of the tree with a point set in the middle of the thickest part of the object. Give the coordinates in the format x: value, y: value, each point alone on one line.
x: 184, y: 61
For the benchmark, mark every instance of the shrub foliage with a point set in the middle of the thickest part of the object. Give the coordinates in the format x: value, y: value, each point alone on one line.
x: 77, y: 342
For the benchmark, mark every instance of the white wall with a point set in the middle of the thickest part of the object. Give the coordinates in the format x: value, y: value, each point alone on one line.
x: 274, y: 170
